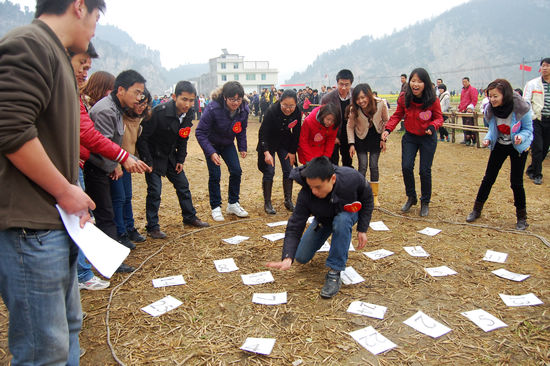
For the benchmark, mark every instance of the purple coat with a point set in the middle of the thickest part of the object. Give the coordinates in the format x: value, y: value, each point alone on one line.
x: 217, y: 129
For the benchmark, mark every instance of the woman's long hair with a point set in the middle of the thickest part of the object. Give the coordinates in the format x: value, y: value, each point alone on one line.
x: 428, y: 94
x: 371, y: 107
x: 327, y: 109
x: 97, y: 86
x: 504, y: 87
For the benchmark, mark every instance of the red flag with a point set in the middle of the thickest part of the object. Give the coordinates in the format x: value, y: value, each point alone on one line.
x: 525, y: 67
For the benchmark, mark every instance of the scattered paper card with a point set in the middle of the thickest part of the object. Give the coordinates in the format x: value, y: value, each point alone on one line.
x: 521, y: 300
x: 510, y: 275
x: 236, y: 239
x: 326, y: 247
x: 373, y: 341
x: 366, y: 309
x: 440, y: 271
x: 350, y: 276
x: 169, y: 281
x: 162, y: 306
x: 225, y: 265
x: 378, y: 254
x: 378, y: 226
x: 430, y: 231
x: 270, y: 299
x: 257, y: 278
x: 278, y: 223
x: 484, y: 320
x: 104, y: 253
x: 263, y: 346
x: 416, y: 251
x: 497, y: 257
x: 310, y: 219
x: 426, y: 325
x: 274, y: 237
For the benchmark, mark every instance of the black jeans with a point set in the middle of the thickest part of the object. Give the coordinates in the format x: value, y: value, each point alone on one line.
x: 496, y: 159
x: 98, y: 187
x: 539, y: 146
x: 410, y: 145
x: 268, y: 170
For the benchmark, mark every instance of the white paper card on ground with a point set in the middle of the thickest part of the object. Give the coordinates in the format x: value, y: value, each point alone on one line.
x: 378, y: 254
x: 378, y: 226
x: 430, y: 231
x: 225, y: 265
x: 169, y: 281
x: 278, y: 223
x: 257, y: 278
x: 522, y: 300
x: 270, y: 299
x: 235, y: 239
x: 310, y: 219
x: 373, y: 341
x: 162, y: 306
x: 104, y: 253
x: 326, y: 247
x: 263, y: 346
x: 274, y: 237
x: 510, y: 275
x: 497, y: 257
x: 416, y: 251
x: 350, y: 276
x: 440, y: 271
x: 484, y: 320
x: 424, y: 324
x: 366, y: 309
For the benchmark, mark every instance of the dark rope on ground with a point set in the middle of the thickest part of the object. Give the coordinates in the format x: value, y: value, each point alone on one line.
x: 115, y: 290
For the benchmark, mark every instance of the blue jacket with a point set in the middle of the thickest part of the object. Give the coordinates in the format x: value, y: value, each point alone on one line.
x: 216, y: 129
x: 522, y: 124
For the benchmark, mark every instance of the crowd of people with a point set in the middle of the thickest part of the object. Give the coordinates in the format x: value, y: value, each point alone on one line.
x: 75, y: 141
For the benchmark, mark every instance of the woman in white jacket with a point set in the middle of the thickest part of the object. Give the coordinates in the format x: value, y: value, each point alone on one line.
x: 445, y: 101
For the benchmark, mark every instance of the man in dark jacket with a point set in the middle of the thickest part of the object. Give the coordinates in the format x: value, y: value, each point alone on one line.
x: 338, y: 197
x: 163, y: 145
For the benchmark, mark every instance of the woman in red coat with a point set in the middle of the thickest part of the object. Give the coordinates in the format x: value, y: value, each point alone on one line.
x: 318, y: 133
x: 423, y: 117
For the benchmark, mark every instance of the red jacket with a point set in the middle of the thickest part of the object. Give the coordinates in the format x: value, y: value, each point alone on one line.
x: 315, y: 139
x: 417, y: 120
x: 467, y: 97
x: 91, y: 140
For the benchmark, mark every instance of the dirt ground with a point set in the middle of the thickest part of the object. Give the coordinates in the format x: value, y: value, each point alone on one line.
x: 217, y: 314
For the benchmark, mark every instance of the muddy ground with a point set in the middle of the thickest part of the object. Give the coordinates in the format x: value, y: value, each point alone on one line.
x: 217, y: 314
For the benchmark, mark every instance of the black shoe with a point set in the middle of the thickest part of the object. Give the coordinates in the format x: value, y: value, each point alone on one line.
x: 156, y: 234
x: 537, y: 180
x: 268, y: 208
x: 424, y: 209
x: 267, y: 186
x: 521, y: 215
x: 530, y: 175
x: 411, y: 201
x: 332, y: 284
x: 197, y: 223
x: 124, y: 268
x: 125, y: 240
x: 287, y: 189
x: 135, y: 236
x: 476, y: 212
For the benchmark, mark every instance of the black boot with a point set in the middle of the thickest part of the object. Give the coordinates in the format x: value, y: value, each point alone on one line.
x: 410, y: 202
x: 424, y: 208
x: 267, y: 185
x: 332, y: 284
x: 287, y: 189
x: 476, y: 212
x: 521, y: 215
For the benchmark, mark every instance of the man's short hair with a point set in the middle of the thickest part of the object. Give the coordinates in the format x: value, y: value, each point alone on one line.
x: 91, y: 52
x: 127, y: 78
x: 439, y: 79
x: 185, y: 87
x: 404, y: 76
x: 59, y: 7
x: 320, y: 167
x: 545, y: 60
x: 344, y: 74
x: 466, y: 78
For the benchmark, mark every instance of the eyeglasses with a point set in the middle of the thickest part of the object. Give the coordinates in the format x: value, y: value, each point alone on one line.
x: 290, y: 107
x: 234, y: 100
x: 344, y: 85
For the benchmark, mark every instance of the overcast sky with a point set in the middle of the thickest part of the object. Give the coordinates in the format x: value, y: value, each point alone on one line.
x: 288, y: 34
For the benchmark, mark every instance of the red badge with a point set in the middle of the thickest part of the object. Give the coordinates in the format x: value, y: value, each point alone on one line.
x: 237, y: 128
x: 292, y: 124
x: 184, y: 132
x: 353, y: 207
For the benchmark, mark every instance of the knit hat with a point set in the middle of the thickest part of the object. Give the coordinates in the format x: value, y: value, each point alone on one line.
x: 470, y: 106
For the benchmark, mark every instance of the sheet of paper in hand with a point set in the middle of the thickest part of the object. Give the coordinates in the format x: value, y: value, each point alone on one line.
x: 169, y: 281
x: 235, y: 239
x: 484, y: 320
x: 257, y: 278
x: 225, y: 265
x: 424, y: 324
x: 162, y: 306
x: 373, y: 341
x: 366, y: 309
x: 263, y: 346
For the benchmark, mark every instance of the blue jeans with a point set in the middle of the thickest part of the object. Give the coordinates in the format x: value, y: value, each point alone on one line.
x: 316, y: 235
x: 121, y: 195
x: 269, y: 170
x: 410, y: 145
x: 39, y: 287
x: 229, y: 155
x: 84, y: 268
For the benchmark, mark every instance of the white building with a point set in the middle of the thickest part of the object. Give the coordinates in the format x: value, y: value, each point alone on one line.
x: 253, y: 75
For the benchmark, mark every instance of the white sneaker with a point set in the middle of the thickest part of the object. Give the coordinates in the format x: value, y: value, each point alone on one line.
x: 95, y: 283
x: 236, y: 209
x: 217, y: 214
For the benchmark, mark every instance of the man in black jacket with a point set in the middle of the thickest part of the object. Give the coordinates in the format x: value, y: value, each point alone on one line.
x: 338, y: 197
x: 163, y: 145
